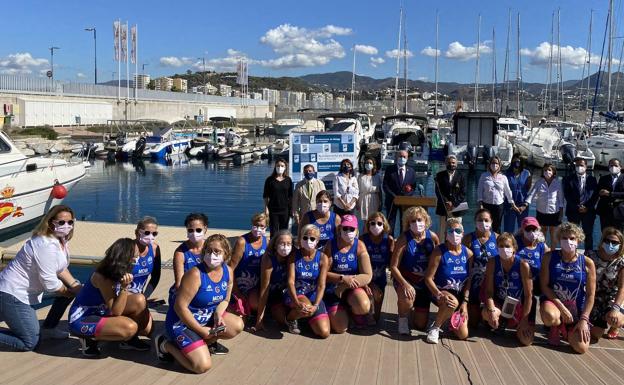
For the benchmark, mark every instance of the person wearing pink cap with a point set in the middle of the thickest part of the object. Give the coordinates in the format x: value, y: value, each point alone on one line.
x: 349, y: 273
x: 531, y: 248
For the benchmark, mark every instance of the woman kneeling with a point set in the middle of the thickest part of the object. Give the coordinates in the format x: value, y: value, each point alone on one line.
x: 198, y: 315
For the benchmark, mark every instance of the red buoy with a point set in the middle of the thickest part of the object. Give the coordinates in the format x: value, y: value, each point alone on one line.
x: 59, y: 191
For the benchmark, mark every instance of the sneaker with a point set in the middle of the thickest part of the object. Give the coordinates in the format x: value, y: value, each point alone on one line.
x: 433, y: 335
x: 293, y: 327
x: 159, y: 343
x: 54, y: 334
x: 217, y: 349
x: 554, y: 337
x: 134, y: 343
x: 404, y: 326
x: 89, y: 347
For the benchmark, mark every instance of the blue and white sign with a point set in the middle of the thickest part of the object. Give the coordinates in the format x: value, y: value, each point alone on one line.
x: 324, y: 151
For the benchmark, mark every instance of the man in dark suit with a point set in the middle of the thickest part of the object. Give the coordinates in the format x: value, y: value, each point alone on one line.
x: 399, y: 180
x: 581, y: 194
x: 450, y: 189
x: 610, y: 191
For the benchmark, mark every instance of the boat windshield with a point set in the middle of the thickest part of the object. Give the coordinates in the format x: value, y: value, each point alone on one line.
x: 508, y: 127
x: 4, y: 146
x: 341, y: 126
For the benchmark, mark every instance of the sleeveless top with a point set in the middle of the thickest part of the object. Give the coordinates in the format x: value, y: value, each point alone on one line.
x: 209, y: 295
x: 379, y: 256
x: 141, y: 271
x: 247, y: 273
x: 507, y: 283
x: 481, y: 254
x: 190, y: 259
x: 327, y: 230
x: 416, y: 258
x: 278, y: 275
x: 306, y: 273
x: 534, y: 258
x: 452, y: 271
x: 568, y: 281
x: 89, y: 301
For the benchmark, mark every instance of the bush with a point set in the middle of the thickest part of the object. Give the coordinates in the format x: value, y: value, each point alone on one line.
x: 46, y: 132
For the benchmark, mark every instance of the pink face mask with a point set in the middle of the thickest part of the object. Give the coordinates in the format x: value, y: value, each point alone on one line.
x: 417, y: 227
x: 213, y: 259
x: 484, y: 226
x: 196, y: 237
x: 63, y: 230
x: 569, y: 245
x: 505, y: 252
x: 375, y: 230
x: 146, y: 239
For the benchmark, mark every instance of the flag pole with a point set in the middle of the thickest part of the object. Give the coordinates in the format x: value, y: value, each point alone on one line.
x: 118, y: 59
x: 136, y: 59
x: 127, y: 66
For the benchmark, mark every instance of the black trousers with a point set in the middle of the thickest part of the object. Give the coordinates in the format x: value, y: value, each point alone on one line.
x: 278, y: 221
x: 497, y: 215
x: 56, y: 311
x: 341, y: 212
x: 586, y: 221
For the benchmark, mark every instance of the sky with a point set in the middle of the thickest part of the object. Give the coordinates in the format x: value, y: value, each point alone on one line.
x: 293, y: 38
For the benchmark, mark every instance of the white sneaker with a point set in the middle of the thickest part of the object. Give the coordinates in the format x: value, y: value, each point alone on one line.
x: 54, y: 334
x: 404, y: 326
x: 433, y: 335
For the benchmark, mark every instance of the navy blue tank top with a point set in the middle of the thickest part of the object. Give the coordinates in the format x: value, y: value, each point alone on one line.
x: 141, y: 271
x: 327, y: 230
x: 481, y: 255
x: 247, y: 273
x: 416, y: 257
x: 452, y: 271
x: 278, y: 275
x: 507, y: 283
x: 307, y: 273
x: 379, y: 256
x: 568, y: 281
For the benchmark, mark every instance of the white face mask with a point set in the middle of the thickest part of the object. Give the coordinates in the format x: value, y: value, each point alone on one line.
x: 548, y: 174
x: 417, y: 227
x: 284, y: 250
x: 580, y: 170
x: 531, y: 235
x: 454, y: 239
x: 614, y: 170
x: 308, y: 245
x: 63, y: 231
x: 484, y: 226
x: 258, y: 231
x: 505, y: 252
x: 368, y: 166
x: 375, y: 230
x: 196, y: 237
x: 494, y: 167
x: 146, y: 239
x: 322, y: 208
x: 280, y: 170
x: 348, y: 236
x: 213, y: 259
x: 569, y: 245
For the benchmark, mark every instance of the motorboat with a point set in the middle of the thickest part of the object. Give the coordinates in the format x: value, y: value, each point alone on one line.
x: 510, y: 128
x: 434, y: 109
x: 283, y: 127
x: 279, y: 149
x: 606, y: 146
x: 476, y: 140
x: 545, y: 144
x: 166, y: 143
x: 358, y: 122
x: 26, y: 185
x: 406, y: 132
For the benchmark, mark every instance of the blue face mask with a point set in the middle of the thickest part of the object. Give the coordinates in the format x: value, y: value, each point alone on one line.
x: 310, y: 175
x: 345, y: 169
x: 402, y: 161
x: 610, y: 248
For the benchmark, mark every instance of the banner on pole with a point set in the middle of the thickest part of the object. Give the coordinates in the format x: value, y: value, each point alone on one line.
x: 116, y: 31
x: 133, y: 39
x: 241, y: 70
x: 124, y: 43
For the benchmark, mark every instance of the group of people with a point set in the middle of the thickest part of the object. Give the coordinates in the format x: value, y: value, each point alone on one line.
x: 331, y: 272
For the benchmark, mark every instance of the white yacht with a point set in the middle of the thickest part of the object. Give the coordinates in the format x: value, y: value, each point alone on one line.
x: 545, y: 144
x: 409, y: 132
x: 510, y: 128
x: 606, y: 146
x: 283, y: 127
x: 26, y: 184
x: 357, y: 122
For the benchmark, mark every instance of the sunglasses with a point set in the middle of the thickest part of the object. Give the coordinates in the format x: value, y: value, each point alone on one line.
x: 380, y: 224
x: 61, y: 223
x: 198, y: 230
x: 348, y: 229
x: 455, y: 230
x: 154, y: 233
x: 306, y: 238
x: 612, y: 242
x: 416, y: 220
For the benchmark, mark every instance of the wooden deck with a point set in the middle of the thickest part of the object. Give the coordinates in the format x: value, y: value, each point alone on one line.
x: 373, y: 356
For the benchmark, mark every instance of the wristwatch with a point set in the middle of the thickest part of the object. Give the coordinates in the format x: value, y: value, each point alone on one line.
x: 75, y: 283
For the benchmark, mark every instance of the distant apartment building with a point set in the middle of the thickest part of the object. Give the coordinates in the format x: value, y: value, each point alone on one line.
x: 293, y: 99
x: 329, y: 100
x: 316, y: 100
x: 271, y: 96
x: 141, y: 81
x: 225, y: 90
x: 255, y: 95
x: 340, y: 103
x: 180, y: 84
x: 163, y: 84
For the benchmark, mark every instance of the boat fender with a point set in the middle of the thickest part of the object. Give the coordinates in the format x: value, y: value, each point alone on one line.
x: 568, y: 153
x: 58, y: 191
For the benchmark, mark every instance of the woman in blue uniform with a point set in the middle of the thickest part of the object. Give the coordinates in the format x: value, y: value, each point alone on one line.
x: 507, y: 276
x: 245, y: 262
x: 568, y: 280
x: 198, y: 315
x: 448, y: 280
x: 349, y: 273
x: 273, y: 271
x: 325, y: 220
x: 379, y: 245
x: 188, y: 254
x: 482, y: 243
x: 531, y: 248
x: 98, y: 313
x: 409, y: 262
x: 307, y: 271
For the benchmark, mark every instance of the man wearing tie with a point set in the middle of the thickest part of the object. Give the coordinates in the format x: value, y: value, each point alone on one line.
x: 611, y: 188
x: 450, y: 189
x: 581, y: 194
x: 399, y: 180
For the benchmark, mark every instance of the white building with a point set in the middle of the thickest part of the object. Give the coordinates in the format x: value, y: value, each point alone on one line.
x: 163, y: 84
x: 141, y: 81
x: 225, y: 90
x: 271, y: 96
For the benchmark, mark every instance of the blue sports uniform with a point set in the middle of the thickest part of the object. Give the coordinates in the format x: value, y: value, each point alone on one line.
x: 277, y: 284
x: 534, y: 258
x: 413, y: 266
x: 306, y: 277
x: 341, y: 263
x: 88, y: 312
x: 453, y: 271
x: 482, y: 252
x: 380, y: 258
x: 247, y: 273
x: 327, y: 230
x: 568, y: 281
x: 510, y: 284
x: 190, y: 260
x: 141, y: 271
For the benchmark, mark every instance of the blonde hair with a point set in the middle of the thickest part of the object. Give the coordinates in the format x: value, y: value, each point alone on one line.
x: 378, y: 214
x: 146, y: 221
x: 259, y: 217
x: 277, y: 237
x: 454, y: 221
x: 225, y: 244
x: 613, y: 231
x: 308, y: 228
x: 411, y: 213
x: 504, y: 237
x: 46, y: 227
x: 567, y: 228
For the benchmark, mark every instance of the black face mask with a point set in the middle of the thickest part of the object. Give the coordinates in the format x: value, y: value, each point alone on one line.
x: 451, y: 167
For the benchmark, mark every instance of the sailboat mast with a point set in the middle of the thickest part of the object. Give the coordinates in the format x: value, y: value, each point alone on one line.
x: 518, y: 71
x: 589, y: 48
x: 353, y: 81
x: 609, y: 55
x: 405, y: 62
x: 476, y: 87
x: 494, y: 80
x: 435, y: 111
x: 506, y: 68
x: 398, y: 65
x: 560, y: 70
x: 619, y: 76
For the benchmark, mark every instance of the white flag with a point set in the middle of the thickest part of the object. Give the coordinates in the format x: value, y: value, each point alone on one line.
x: 133, y: 39
x: 124, y: 42
x: 241, y: 70
x: 116, y: 39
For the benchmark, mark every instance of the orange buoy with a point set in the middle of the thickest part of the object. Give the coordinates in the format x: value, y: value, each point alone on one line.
x: 58, y: 191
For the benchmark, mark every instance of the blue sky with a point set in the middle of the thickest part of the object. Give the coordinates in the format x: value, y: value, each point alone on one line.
x: 298, y: 37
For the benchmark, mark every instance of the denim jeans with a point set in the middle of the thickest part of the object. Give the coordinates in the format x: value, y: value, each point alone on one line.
x: 511, y: 219
x: 23, y: 332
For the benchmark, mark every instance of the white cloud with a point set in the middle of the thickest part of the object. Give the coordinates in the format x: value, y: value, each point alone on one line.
x: 302, y: 47
x: 423, y: 78
x: 366, y: 49
x: 395, y: 53
x: 173, y: 61
x: 80, y: 75
x: 375, y: 61
x: 570, y: 56
x: 457, y: 51
x: 430, y: 51
x: 234, y: 52
x: 21, y: 64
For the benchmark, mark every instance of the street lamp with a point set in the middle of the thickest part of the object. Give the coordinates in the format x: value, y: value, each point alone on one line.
x: 203, y: 59
x: 143, y: 67
x: 52, y: 60
x: 95, y: 48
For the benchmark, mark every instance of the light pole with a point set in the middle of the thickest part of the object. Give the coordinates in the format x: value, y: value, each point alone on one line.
x: 94, y: 49
x: 52, y: 60
x: 203, y: 59
x: 143, y: 67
